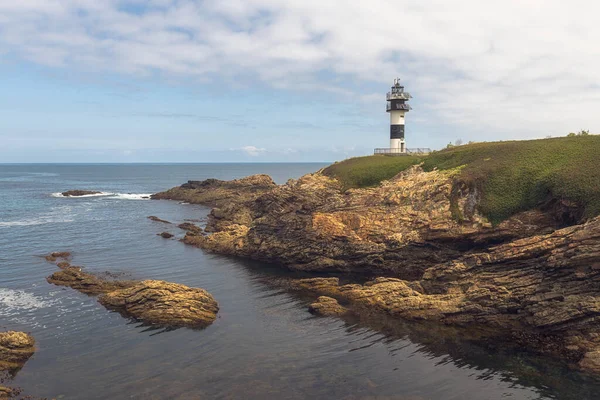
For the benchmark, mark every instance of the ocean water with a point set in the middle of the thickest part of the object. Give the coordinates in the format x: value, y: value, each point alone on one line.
x: 264, y: 344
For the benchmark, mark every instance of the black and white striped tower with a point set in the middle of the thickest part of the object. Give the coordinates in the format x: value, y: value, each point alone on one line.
x: 397, y: 107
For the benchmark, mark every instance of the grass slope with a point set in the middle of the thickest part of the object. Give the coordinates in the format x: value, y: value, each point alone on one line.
x: 513, y: 176
x: 368, y: 171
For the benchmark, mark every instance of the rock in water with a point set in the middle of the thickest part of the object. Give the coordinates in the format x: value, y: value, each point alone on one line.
x: 166, y: 235
x: 327, y: 306
x: 15, y: 350
x: 154, y: 302
x: 52, y: 257
x: 164, y: 303
x: 76, y: 193
x: 156, y: 219
x: 191, y: 228
x: 86, y: 283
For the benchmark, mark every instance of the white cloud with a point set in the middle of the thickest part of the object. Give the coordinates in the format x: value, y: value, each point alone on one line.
x: 519, y: 66
x: 252, y: 151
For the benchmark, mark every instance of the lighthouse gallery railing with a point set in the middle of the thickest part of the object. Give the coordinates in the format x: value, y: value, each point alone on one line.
x: 397, y: 151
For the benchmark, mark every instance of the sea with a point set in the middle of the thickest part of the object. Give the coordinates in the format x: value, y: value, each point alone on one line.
x: 264, y: 343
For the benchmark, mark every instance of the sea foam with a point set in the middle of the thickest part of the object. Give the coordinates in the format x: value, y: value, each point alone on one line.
x: 12, y: 302
x: 109, y: 195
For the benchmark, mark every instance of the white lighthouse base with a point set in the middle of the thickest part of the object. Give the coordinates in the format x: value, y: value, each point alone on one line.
x: 397, y: 146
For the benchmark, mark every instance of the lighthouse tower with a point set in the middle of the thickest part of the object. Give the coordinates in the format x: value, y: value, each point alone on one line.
x: 397, y: 107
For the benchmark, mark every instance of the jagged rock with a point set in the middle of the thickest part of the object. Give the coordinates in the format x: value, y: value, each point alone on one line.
x: 75, y: 278
x: 15, y: 350
x: 52, y: 257
x: 164, y: 303
x: 191, y: 228
x: 166, y: 235
x: 156, y: 219
x: 6, y: 393
x: 530, y: 280
x: 76, y: 193
x: 214, y: 192
x: 542, y: 291
x: 399, y: 228
x: 155, y: 302
x: 327, y: 306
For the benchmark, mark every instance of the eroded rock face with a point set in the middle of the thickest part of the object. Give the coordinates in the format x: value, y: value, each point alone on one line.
x: 399, y: 228
x: 164, y: 303
x: 530, y: 279
x: 153, y: 302
x: 214, y: 191
x: 76, y: 193
x: 542, y: 291
x: 15, y: 350
x: 327, y: 306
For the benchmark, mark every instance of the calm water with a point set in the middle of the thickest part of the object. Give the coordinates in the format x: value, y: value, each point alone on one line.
x: 264, y: 344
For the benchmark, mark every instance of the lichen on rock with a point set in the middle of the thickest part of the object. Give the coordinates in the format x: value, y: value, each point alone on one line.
x: 164, y: 303
x: 15, y: 350
x: 327, y: 306
x: 151, y: 301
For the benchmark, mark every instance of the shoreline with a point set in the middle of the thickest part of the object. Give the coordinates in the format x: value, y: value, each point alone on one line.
x: 526, y: 278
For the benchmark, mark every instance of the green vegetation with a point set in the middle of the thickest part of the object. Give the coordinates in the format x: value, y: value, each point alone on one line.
x: 512, y: 176
x: 369, y: 171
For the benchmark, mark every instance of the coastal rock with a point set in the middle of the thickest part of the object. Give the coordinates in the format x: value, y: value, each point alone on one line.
x: 543, y: 292
x: 215, y: 192
x: 191, y: 228
x: 15, y: 350
x: 399, y: 228
x: 156, y: 219
x: 164, y: 303
x: 77, y: 193
x: 327, y: 306
x: 154, y: 302
x: 52, y: 257
x: 533, y: 279
x: 166, y: 235
x: 6, y: 393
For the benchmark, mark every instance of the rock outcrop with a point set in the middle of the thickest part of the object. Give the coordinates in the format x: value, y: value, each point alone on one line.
x: 165, y: 235
x: 52, y: 257
x: 151, y: 301
x: 542, y: 291
x: 156, y: 219
x: 84, y: 282
x: 77, y: 193
x: 15, y: 350
x: 400, y: 228
x: 327, y: 306
x: 533, y: 279
x: 191, y: 228
x: 215, y: 192
x: 164, y: 303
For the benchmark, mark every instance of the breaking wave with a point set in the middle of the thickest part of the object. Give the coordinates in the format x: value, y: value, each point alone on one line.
x: 13, y: 302
x: 109, y: 195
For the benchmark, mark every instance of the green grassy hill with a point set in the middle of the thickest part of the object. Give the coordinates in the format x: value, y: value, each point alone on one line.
x: 513, y: 176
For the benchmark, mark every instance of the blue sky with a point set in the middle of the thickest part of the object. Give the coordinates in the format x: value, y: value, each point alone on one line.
x: 265, y: 80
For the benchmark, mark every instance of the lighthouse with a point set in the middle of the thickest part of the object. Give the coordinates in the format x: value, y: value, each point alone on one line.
x: 397, y: 107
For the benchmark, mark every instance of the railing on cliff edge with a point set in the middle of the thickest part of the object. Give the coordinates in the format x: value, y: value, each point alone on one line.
x: 398, y: 152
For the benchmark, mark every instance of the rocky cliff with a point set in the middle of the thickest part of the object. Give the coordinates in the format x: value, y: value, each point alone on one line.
x: 530, y: 278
